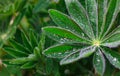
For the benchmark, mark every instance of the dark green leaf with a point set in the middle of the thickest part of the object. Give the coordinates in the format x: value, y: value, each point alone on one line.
x: 112, y: 56
x: 76, y: 55
x: 66, y: 22
x: 37, y: 52
x: 99, y: 62
x: 111, y: 14
x: 41, y: 5
x: 113, y: 40
x: 79, y: 15
x: 91, y: 7
x: 26, y: 42
x: 33, y: 39
x: 63, y: 36
x: 18, y: 46
x: 14, y: 52
x: 102, y: 7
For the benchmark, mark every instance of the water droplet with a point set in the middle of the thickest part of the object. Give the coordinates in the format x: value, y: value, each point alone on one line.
x: 114, y: 59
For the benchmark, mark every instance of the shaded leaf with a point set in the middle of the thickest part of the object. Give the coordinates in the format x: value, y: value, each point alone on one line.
x: 15, y: 53
x: 28, y: 65
x: 18, y: 46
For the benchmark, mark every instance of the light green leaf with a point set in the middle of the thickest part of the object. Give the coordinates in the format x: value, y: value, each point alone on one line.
x: 15, y: 53
x: 59, y: 51
x: 79, y: 15
x: 111, y: 14
x: 28, y: 65
x: 22, y: 60
x: 63, y: 36
x: 66, y: 22
x: 99, y: 62
x: 112, y: 56
x: 37, y: 52
x: 91, y: 7
x: 79, y: 54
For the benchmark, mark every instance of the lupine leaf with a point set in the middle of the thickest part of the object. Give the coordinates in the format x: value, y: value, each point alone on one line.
x: 33, y: 38
x: 113, y: 40
x: 79, y: 15
x: 112, y: 11
x: 18, y: 46
x: 79, y: 54
x: 66, y: 22
x: 28, y: 65
x: 22, y: 60
x: 112, y: 56
x: 59, y: 51
x: 99, y: 62
x: 26, y: 42
x: 40, y: 5
x: 37, y: 52
x: 14, y: 52
x: 91, y: 7
x: 102, y: 7
x: 63, y: 36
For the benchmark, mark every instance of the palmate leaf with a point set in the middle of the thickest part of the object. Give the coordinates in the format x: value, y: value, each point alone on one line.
x: 99, y: 62
x: 63, y: 36
x: 95, y: 20
x: 79, y: 15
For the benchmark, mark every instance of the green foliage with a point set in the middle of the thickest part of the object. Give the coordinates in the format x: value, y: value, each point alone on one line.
x: 59, y: 38
x: 98, y: 38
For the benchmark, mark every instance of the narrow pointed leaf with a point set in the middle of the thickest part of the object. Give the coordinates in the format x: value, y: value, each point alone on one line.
x: 26, y: 42
x: 66, y: 22
x: 99, y: 62
x: 79, y: 15
x: 14, y: 52
x: 59, y: 51
x: 63, y: 36
x: 28, y: 65
x: 37, y: 52
x: 91, y: 7
x: 18, y: 46
x: 33, y: 39
x: 22, y: 60
x: 113, y: 57
x: 79, y: 54
x: 112, y: 12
